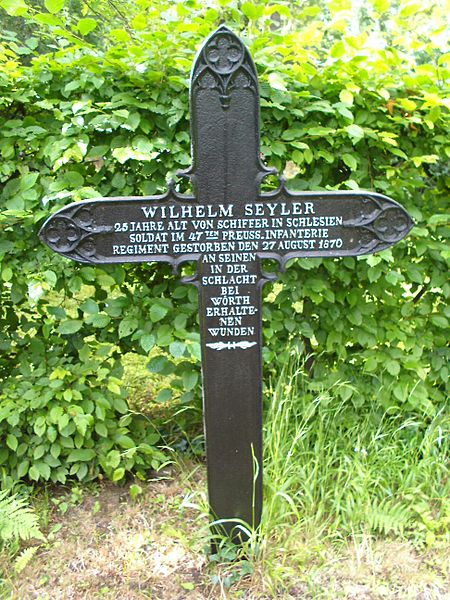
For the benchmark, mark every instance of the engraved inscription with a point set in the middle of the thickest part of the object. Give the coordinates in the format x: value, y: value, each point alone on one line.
x: 229, y: 240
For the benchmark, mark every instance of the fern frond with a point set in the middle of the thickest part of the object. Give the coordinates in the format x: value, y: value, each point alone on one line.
x: 17, y: 520
x: 24, y: 558
x: 388, y: 516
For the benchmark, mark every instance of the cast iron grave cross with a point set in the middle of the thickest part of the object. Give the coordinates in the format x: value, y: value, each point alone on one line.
x: 228, y: 226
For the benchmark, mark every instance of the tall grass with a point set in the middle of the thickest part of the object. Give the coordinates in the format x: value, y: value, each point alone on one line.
x: 326, y: 474
x: 336, y: 475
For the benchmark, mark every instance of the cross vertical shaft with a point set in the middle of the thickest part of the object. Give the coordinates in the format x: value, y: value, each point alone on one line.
x: 227, y: 170
x: 232, y: 402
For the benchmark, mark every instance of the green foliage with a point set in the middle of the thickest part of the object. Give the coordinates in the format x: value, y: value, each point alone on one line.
x: 328, y: 475
x: 67, y: 418
x: 24, y: 558
x: 95, y: 103
x: 17, y: 520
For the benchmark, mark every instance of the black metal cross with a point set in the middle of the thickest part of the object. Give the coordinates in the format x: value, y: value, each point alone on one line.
x: 228, y: 226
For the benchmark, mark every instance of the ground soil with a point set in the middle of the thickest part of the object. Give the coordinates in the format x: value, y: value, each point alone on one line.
x: 108, y: 545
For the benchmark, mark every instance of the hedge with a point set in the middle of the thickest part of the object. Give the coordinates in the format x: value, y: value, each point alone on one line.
x: 96, y: 104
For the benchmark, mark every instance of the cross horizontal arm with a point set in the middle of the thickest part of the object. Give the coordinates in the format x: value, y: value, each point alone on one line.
x: 175, y: 228
x: 330, y: 223
x: 124, y: 230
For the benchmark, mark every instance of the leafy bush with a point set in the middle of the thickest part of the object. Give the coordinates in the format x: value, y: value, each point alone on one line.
x: 95, y: 106
x: 65, y: 418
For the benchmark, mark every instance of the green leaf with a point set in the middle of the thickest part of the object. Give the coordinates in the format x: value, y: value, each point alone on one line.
x: 7, y: 274
x: 190, y: 379
x: 165, y: 335
x: 292, y: 134
x: 342, y: 110
x: 277, y: 82
x: 147, y: 342
x: 371, y: 364
x: 100, y: 320
x: 252, y: 11
x: 33, y: 473
x: 133, y: 121
x: 63, y: 421
x: 86, y: 25
x: 127, y: 326
x: 43, y: 470
x: 104, y: 279
x: 27, y: 181
x: 69, y: 327
x: 439, y: 321
x: 354, y: 316
x: 118, y: 474
x: 53, y: 6
x: 39, y: 451
x: 14, y: 8
x: 177, y: 349
x: 392, y: 367
x: 125, y: 441
x: 101, y: 429
x: 164, y: 395
x: 22, y: 468
x: 114, y: 387
x: 127, y: 153
x: 355, y: 132
x: 346, y: 97
x: 11, y: 442
x: 414, y: 272
x: 401, y: 391
x: 350, y: 161
x: 161, y: 365
x: 158, y: 312
x: 113, y: 459
x: 345, y: 392
x: 83, y: 454
x: 321, y: 131
x: 135, y: 491
x: 407, y: 104
x: 48, y: 19
x: 50, y: 277
x: 338, y: 49
x: 89, y: 306
x: 55, y: 450
x: 120, y: 405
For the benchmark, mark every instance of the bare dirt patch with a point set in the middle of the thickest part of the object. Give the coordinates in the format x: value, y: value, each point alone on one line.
x: 111, y: 547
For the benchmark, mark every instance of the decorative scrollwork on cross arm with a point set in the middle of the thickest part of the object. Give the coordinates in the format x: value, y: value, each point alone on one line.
x: 384, y: 224
x: 72, y: 233
x: 63, y: 234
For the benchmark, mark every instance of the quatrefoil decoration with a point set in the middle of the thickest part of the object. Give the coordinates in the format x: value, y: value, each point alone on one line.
x: 63, y: 234
x: 392, y: 225
x: 224, y: 54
